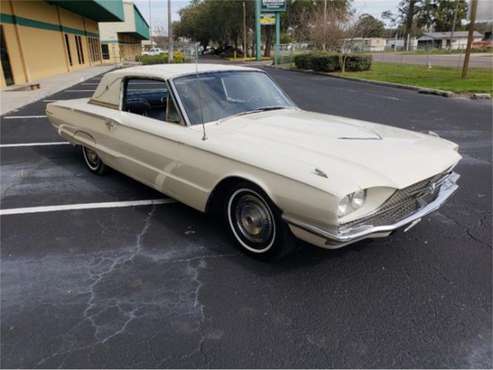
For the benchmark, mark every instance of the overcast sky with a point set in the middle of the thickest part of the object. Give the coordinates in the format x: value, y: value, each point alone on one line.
x: 158, y: 11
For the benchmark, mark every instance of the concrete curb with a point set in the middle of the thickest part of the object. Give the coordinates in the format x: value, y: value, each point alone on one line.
x: 420, y: 90
x: 480, y: 96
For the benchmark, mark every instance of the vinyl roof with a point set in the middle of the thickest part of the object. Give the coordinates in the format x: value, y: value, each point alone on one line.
x: 175, y: 70
x: 108, y: 90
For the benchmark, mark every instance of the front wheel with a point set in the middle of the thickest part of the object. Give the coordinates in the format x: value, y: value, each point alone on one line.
x: 255, y: 223
x: 93, y: 162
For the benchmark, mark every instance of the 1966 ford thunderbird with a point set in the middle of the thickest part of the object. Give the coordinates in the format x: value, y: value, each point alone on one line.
x: 229, y: 139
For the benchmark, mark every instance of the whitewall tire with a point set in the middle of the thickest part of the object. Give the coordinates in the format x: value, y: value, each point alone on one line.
x: 255, y: 223
x: 93, y: 162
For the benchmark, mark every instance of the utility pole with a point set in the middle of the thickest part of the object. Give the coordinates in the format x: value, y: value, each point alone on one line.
x: 244, y: 32
x: 150, y: 23
x: 170, y: 35
x: 474, y: 8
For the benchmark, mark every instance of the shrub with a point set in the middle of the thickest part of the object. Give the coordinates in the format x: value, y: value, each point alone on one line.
x: 325, y: 62
x: 303, y: 61
x: 178, y: 57
x: 355, y: 63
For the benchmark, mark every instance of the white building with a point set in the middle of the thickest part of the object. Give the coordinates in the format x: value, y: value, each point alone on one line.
x: 400, y: 44
x: 122, y: 41
x: 357, y: 44
x: 445, y: 40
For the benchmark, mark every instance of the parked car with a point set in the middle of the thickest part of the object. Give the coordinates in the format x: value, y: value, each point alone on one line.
x: 228, y: 139
x: 153, y: 51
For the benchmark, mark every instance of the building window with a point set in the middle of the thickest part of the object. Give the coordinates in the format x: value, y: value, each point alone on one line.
x: 95, y: 45
x: 7, y: 70
x: 98, y: 48
x: 67, y: 43
x: 80, y: 52
x: 105, y: 51
x: 94, y: 49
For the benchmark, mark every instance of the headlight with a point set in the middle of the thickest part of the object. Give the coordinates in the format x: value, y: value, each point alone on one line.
x: 358, y: 199
x: 344, y: 206
x: 351, y: 202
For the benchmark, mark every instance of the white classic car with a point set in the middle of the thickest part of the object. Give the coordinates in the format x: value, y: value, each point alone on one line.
x: 227, y: 138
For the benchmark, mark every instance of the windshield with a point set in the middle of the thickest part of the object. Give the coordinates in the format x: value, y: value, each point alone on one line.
x: 213, y: 96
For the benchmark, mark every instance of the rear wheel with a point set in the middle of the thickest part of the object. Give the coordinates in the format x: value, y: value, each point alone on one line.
x: 255, y: 223
x: 93, y: 162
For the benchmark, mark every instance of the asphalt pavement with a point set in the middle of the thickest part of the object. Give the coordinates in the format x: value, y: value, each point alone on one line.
x: 162, y: 286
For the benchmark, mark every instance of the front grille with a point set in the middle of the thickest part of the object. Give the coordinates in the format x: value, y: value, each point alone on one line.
x: 402, y: 203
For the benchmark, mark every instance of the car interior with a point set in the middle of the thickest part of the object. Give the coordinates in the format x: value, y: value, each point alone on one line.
x: 150, y: 98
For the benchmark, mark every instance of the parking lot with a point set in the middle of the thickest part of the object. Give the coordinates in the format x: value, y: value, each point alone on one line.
x: 124, y: 277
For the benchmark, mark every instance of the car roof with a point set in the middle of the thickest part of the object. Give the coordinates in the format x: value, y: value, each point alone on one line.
x: 108, y: 91
x: 174, y: 70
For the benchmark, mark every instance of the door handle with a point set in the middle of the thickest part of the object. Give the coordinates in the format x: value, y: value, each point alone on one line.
x: 110, y: 124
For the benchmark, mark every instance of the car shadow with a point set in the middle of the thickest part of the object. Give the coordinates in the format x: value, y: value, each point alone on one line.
x: 208, y: 230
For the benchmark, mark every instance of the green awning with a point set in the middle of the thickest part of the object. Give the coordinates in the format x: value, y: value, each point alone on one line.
x: 97, y: 10
x: 141, y: 26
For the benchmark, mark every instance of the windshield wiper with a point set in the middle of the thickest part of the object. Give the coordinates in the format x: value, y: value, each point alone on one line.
x: 256, y: 110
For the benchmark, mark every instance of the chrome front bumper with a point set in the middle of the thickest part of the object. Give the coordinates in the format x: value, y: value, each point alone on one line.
x: 337, y: 238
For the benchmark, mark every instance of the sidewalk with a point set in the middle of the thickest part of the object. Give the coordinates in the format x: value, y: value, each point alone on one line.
x: 11, y: 100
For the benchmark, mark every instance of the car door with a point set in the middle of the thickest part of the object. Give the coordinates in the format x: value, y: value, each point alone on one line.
x: 147, y: 134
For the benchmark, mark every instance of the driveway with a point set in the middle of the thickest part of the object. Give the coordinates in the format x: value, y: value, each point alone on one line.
x: 144, y: 285
x: 477, y: 60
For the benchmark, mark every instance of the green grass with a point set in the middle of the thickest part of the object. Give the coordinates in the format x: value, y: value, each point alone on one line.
x: 442, y: 78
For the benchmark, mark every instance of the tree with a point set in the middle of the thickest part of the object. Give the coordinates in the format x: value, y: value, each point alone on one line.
x: 448, y: 15
x: 208, y: 21
x: 436, y: 15
x: 369, y: 26
x: 408, y: 10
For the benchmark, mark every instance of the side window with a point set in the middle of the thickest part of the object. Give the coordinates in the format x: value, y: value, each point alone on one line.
x: 150, y: 98
x: 105, y: 51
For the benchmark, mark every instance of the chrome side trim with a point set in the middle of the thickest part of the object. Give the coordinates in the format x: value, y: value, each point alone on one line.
x: 447, y: 188
x: 103, y: 104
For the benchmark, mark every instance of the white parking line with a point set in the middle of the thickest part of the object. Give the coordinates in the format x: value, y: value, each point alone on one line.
x: 24, y: 117
x: 33, y: 144
x: 71, y: 207
x: 78, y: 90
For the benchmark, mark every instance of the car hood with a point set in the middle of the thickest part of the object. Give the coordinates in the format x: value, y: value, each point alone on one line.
x: 354, y: 154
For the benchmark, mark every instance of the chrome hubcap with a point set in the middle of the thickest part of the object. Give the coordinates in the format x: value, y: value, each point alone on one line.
x: 91, y: 158
x: 253, y: 219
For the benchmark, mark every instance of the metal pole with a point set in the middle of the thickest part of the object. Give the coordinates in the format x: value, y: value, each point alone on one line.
x: 474, y: 8
x: 244, y: 32
x: 277, y: 50
x: 170, y: 35
x: 257, y: 29
x: 150, y: 23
